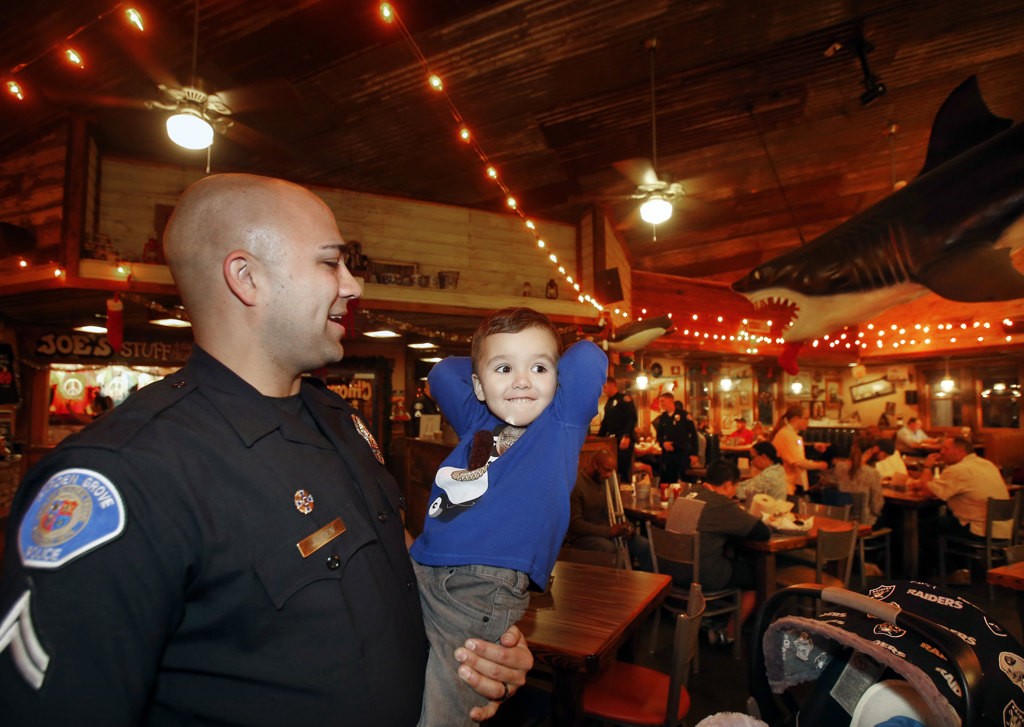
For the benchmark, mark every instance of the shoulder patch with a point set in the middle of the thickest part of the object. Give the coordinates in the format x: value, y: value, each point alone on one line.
x: 76, y: 511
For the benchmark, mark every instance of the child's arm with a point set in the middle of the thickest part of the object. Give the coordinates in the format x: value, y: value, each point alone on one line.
x: 582, y: 371
x: 451, y: 386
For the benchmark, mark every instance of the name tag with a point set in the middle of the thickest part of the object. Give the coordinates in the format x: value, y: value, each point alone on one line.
x: 308, y: 546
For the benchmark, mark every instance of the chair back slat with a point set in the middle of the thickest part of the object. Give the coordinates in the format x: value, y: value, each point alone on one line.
x: 836, y: 546
x: 1004, y: 511
x: 677, y: 548
x: 684, y: 648
x: 684, y: 515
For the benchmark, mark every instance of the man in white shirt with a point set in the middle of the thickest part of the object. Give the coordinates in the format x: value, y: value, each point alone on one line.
x: 965, y: 484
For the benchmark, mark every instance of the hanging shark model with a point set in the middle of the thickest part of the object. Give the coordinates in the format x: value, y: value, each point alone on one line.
x: 636, y: 336
x: 947, y: 232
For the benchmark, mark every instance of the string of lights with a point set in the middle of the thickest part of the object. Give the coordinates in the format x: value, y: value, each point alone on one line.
x: 65, y: 47
x: 437, y: 85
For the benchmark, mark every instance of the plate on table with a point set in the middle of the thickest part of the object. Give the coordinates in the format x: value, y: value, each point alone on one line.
x: 788, y: 524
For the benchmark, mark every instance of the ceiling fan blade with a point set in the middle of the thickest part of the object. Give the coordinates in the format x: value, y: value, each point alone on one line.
x: 143, y: 53
x: 261, y: 144
x: 79, y: 98
x: 274, y: 92
x: 639, y: 171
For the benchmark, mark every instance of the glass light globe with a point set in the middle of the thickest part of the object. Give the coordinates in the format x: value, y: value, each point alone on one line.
x: 655, y: 210
x: 189, y: 130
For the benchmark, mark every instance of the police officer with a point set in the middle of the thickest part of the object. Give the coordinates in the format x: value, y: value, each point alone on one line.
x: 226, y: 547
x: 620, y: 420
x: 677, y: 436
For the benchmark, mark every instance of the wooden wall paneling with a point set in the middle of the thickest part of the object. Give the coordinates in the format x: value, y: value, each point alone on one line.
x: 32, y: 189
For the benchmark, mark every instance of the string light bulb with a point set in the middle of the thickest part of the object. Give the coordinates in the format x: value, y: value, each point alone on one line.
x: 435, y: 82
x: 74, y: 57
x: 387, y: 13
x: 135, y: 19
x: 464, y: 134
x: 14, y: 88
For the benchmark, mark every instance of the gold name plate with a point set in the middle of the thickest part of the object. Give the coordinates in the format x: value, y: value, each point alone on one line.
x: 308, y: 546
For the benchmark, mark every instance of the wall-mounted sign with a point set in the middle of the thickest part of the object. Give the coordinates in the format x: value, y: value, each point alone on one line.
x: 93, y: 346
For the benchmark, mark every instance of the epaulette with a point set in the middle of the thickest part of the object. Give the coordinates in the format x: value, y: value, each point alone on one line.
x: 116, y: 429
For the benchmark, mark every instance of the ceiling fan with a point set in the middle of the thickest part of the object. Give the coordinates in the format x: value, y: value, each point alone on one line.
x: 197, y: 114
x: 659, y: 195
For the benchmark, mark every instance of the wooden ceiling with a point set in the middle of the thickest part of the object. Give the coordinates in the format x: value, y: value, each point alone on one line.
x: 762, y: 126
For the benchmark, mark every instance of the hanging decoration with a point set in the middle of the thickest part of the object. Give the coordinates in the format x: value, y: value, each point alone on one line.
x: 115, y: 322
x: 899, y: 248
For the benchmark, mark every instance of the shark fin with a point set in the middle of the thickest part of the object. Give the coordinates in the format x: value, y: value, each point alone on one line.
x: 976, y: 275
x: 963, y: 121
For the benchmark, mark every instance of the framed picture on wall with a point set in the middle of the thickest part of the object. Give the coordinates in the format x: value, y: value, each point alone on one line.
x: 833, y: 393
x: 871, y: 390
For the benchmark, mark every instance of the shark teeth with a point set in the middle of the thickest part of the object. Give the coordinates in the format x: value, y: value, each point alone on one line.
x: 784, y: 311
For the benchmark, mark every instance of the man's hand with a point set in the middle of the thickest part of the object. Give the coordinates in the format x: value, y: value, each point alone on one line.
x: 668, y: 445
x: 494, y: 671
x: 624, y: 443
x: 621, y: 529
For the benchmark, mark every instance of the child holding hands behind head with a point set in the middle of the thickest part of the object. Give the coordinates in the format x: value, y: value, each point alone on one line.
x: 498, y: 512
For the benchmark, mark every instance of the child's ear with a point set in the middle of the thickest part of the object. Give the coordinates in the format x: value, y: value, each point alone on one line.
x: 477, y: 388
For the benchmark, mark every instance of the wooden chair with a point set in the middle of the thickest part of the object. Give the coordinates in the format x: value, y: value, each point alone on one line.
x: 878, y: 540
x: 629, y: 694
x: 809, y: 556
x: 675, y: 553
x: 990, y: 549
x: 832, y: 546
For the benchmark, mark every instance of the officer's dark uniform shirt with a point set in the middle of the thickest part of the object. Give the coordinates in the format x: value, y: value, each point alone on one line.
x: 620, y: 420
x: 678, y: 428
x: 203, y: 609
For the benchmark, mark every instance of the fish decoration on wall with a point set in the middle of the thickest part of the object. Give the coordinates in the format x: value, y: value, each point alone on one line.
x: 951, y: 231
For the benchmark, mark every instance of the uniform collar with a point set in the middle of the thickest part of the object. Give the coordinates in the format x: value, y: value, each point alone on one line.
x: 242, y: 406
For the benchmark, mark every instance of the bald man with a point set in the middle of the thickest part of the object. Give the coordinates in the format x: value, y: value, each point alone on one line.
x: 226, y: 547
x: 589, y: 525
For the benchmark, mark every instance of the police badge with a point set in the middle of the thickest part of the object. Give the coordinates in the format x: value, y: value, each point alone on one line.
x: 365, y: 434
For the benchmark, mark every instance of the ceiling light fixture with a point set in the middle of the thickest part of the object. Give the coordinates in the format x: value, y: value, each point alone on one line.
x: 189, y: 129
x: 383, y: 333
x: 423, y: 346
x: 173, y: 317
x: 655, y: 209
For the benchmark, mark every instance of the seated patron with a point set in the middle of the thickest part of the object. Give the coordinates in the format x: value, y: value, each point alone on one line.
x: 910, y: 438
x: 722, y: 522
x: 890, y: 463
x: 966, y: 483
x: 771, y: 477
x: 590, y: 527
x: 741, y: 435
x: 858, y: 474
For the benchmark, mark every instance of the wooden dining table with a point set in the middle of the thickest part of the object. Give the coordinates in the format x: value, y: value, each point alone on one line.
x: 1010, y: 576
x: 910, y: 501
x: 578, y: 625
